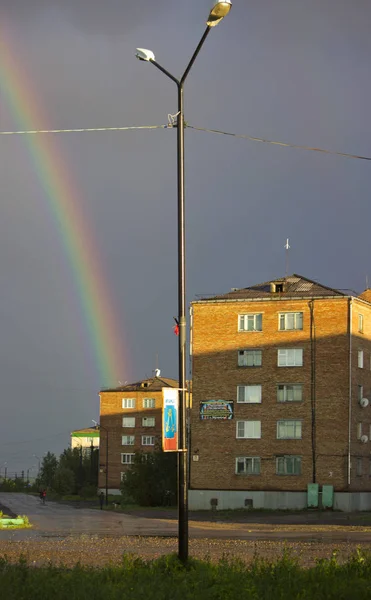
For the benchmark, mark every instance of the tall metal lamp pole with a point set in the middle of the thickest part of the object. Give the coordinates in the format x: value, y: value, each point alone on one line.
x: 219, y: 10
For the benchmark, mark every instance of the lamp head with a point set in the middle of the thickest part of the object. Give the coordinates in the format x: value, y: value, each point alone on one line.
x: 220, y: 10
x: 143, y: 54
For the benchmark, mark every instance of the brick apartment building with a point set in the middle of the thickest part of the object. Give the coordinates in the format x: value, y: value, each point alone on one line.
x: 290, y: 361
x: 132, y: 417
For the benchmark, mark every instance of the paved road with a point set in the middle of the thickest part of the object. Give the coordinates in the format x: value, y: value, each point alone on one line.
x: 59, y: 520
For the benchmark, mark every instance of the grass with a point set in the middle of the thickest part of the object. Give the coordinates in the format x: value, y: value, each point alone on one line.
x: 167, y: 579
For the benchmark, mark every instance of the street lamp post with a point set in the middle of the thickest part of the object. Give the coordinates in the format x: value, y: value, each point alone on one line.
x: 39, y: 459
x: 106, y: 430
x: 219, y: 10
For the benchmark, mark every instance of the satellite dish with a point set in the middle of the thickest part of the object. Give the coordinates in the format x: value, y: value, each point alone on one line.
x: 364, y: 402
x: 364, y: 439
x: 157, y: 372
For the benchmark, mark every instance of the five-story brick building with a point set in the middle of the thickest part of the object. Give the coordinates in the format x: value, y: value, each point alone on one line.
x: 291, y: 360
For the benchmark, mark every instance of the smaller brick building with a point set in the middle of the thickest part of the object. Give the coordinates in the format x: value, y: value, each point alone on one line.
x: 131, y: 415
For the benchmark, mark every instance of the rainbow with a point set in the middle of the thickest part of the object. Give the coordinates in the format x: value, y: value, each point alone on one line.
x: 102, y: 329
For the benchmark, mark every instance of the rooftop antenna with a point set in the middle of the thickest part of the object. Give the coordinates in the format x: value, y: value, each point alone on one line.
x: 367, y: 282
x: 287, y: 246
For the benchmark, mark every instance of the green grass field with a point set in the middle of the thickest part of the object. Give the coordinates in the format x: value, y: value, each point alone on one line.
x: 167, y: 579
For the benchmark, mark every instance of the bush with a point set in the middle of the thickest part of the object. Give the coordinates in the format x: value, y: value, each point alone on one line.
x: 152, y: 479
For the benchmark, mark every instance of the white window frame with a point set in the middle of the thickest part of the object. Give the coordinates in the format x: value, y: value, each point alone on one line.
x: 128, y: 403
x: 148, y: 421
x: 360, y: 323
x: 284, y: 321
x: 248, y: 430
x: 149, y: 403
x: 244, y: 355
x: 360, y: 359
x: 295, y: 423
x: 360, y: 392
x: 296, y: 460
x: 146, y: 438
x: 250, y: 322
x: 128, y: 440
x: 290, y: 357
x: 129, y: 458
x: 253, y: 392
x: 254, y: 461
x: 126, y: 420
x: 290, y: 389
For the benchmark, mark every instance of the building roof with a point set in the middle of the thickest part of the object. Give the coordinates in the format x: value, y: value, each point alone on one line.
x: 87, y: 432
x: 153, y: 384
x: 294, y: 286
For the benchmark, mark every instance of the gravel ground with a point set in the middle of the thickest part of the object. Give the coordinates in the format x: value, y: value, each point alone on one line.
x: 98, y: 551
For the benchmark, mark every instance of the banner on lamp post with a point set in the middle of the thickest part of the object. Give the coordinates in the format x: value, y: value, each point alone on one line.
x: 170, y: 419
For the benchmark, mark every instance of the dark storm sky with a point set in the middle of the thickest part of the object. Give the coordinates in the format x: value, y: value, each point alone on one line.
x: 292, y: 70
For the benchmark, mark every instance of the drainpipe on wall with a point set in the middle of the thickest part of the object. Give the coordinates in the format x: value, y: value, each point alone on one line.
x: 350, y: 388
x: 313, y: 387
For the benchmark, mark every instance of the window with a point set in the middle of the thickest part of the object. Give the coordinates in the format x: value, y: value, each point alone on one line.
x: 290, y: 357
x: 128, y: 421
x: 360, y: 392
x: 360, y: 359
x: 289, y: 430
x: 148, y: 421
x: 287, y: 392
x: 128, y: 403
x: 249, y: 394
x: 248, y: 430
x: 252, y: 322
x: 359, y: 431
x: 359, y: 466
x: 288, y: 321
x: 148, y: 440
x: 360, y: 323
x: 128, y: 440
x: 288, y: 465
x: 149, y: 403
x: 249, y: 358
x: 248, y: 465
x: 127, y: 459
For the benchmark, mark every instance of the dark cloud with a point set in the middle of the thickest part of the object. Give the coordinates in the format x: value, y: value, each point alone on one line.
x: 90, y: 16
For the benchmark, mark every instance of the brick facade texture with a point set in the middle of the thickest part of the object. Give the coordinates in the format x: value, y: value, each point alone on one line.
x: 111, y: 418
x: 329, y: 374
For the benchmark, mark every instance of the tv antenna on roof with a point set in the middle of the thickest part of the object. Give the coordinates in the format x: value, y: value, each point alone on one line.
x: 287, y: 246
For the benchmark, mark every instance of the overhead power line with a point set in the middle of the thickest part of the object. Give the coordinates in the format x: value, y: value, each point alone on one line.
x: 81, y: 130
x: 172, y: 124
x: 287, y: 145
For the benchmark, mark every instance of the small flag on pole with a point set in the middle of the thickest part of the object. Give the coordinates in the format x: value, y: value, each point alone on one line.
x: 176, y: 326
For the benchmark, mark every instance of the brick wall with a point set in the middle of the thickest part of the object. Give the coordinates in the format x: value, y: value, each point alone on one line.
x: 216, y: 374
x: 111, y: 418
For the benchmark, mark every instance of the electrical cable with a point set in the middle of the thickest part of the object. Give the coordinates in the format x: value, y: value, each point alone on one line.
x: 287, y: 145
x: 81, y: 130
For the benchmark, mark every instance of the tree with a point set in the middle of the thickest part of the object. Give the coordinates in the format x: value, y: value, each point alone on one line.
x: 151, y: 480
x: 48, y: 469
x: 64, y: 481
